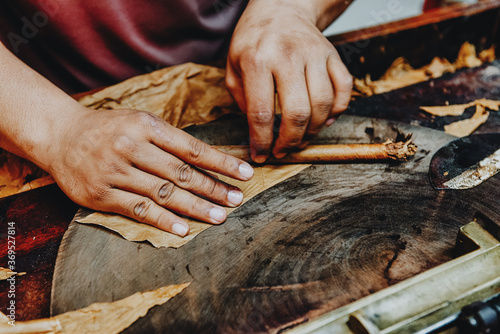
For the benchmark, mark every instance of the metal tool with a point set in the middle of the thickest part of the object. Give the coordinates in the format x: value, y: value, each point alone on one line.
x: 466, y: 162
x: 478, y: 318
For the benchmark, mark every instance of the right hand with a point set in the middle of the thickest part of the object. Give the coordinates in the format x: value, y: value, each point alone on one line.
x: 135, y: 164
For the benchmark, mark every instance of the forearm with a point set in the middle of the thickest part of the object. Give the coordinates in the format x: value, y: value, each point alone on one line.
x: 321, y: 12
x: 32, y: 110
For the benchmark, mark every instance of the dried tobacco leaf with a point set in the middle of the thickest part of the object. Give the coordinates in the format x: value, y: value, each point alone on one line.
x: 465, y: 127
x: 401, y: 74
x: 107, y: 318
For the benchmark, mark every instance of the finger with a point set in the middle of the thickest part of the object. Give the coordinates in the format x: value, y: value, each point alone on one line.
x: 259, y: 95
x: 146, y: 211
x: 342, y: 83
x: 234, y: 85
x: 168, y: 195
x: 319, y: 87
x: 194, y: 151
x: 295, y: 108
x: 153, y: 160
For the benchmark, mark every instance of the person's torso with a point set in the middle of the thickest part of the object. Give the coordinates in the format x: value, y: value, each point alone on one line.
x: 81, y: 45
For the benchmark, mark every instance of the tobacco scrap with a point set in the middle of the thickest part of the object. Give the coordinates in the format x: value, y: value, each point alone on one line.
x: 17, y: 174
x: 3, y: 318
x: 108, y: 318
x: 6, y: 273
x: 264, y: 177
x: 459, y: 109
x: 401, y: 73
x: 465, y: 127
x: 401, y: 150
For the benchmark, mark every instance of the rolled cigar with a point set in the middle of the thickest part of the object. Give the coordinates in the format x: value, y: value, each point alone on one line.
x: 399, y: 151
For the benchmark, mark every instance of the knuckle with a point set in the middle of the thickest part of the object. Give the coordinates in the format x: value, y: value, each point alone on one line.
x: 299, y: 118
x: 116, y: 169
x: 261, y: 117
x: 165, y: 193
x: 185, y: 174
x: 140, y: 209
x: 99, y: 194
x: 197, y: 151
x: 231, y: 83
x: 210, y: 186
x: 293, y: 142
x: 345, y: 82
x: 254, y: 59
x: 146, y: 119
x: 323, y: 104
x: 340, y: 106
x: 123, y: 144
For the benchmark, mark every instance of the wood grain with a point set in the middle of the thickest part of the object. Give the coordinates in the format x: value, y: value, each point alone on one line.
x: 326, y: 237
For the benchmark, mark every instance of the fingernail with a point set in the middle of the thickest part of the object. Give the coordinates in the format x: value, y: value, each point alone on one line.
x: 235, y: 197
x: 218, y: 214
x: 330, y: 121
x: 179, y: 229
x: 246, y: 171
x: 260, y: 159
x: 280, y: 155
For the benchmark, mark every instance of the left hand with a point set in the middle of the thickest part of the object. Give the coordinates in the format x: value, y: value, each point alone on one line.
x: 277, y: 46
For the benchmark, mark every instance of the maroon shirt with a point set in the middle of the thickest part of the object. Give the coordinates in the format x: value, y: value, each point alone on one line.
x: 84, y: 44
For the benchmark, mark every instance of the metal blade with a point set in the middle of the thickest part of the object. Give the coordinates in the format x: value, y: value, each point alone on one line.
x: 466, y: 162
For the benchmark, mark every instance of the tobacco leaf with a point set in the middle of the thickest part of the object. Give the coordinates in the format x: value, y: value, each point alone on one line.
x: 6, y: 273
x: 3, y: 318
x: 465, y: 127
x: 459, y: 109
x: 264, y: 178
x: 107, y: 318
x: 401, y: 74
x: 17, y: 174
x: 182, y: 95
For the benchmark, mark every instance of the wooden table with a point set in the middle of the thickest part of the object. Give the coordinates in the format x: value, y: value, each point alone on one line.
x: 42, y: 216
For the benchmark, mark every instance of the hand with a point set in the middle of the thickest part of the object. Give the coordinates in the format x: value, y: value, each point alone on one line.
x: 135, y: 164
x: 277, y: 46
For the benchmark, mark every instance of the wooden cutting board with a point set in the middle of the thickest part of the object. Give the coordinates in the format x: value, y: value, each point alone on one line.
x: 319, y: 240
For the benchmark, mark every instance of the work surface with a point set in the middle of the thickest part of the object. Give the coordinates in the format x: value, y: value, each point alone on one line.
x: 327, y: 236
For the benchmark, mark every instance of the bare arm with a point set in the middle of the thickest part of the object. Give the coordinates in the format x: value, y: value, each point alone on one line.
x: 126, y: 161
x: 278, y: 46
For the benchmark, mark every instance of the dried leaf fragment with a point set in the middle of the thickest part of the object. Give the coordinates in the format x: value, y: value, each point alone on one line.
x: 3, y: 318
x: 467, y: 126
x: 6, y: 273
x: 459, y: 109
x: 107, y: 318
x: 401, y: 74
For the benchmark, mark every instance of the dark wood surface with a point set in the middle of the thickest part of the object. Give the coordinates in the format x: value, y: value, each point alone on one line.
x: 326, y: 237
x: 40, y: 218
